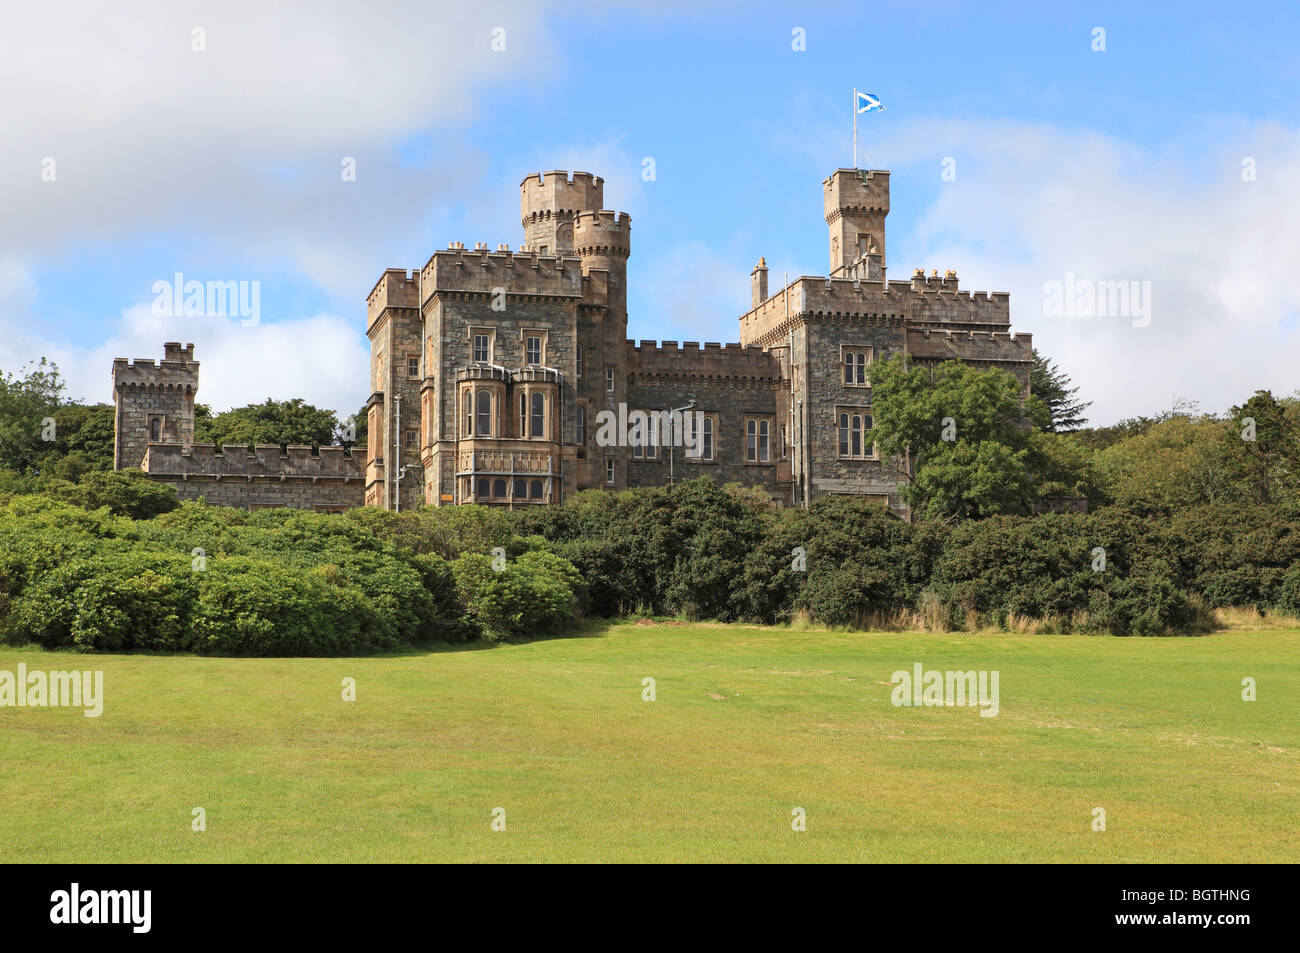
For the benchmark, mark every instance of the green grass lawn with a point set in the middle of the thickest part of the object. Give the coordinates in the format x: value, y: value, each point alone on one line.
x: 748, y: 724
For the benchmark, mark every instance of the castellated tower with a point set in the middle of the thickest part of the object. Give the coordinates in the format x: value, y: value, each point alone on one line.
x: 856, y: 203
x: 154, y: 403
x: 548, y: 204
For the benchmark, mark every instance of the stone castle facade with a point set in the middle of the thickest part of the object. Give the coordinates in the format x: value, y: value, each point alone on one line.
x: 491, y: 373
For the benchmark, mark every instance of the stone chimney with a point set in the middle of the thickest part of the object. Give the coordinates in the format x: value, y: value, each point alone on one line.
x: 758, y: 283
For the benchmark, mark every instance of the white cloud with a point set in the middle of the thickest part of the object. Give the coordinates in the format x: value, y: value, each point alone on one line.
x: 241, y: 144
x: 322, y: 358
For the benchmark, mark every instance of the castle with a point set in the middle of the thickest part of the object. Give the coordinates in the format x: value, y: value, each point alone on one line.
x: 490, y: 372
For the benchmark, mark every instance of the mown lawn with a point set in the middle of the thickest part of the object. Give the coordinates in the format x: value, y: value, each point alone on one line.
x: 748, y: 724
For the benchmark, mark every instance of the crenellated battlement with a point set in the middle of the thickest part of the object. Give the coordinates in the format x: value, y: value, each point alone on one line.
x: 396, y: 288
x: 712, y: 360
x: 929, y: 345
x: 602, y: 233
x: 518, y: 272
x: 923, y: 301
x: 263, y: 461
x: 177, y: 372
x: 558, y: 191
x: 855, y: 190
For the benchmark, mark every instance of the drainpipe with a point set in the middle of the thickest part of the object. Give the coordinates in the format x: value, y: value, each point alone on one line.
x: 671, y: 442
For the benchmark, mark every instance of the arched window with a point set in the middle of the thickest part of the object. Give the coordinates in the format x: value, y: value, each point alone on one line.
x: 499, y: 489
x: 155, y: 429
x: 523, y: 414
x: 856, y: 433
x: 536, y: 490
x: 521, y: 489
x: 582, y: 426
x: 538, y: 426
x: 484, y: 428
x: 707, y: 446
x: 764, y: 441
x: 484, y: 484
x: 844, y: 435
x: 751, y: 440
x: 467, y: 401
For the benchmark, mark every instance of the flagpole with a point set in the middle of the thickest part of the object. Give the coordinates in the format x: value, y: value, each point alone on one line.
x: 855, y: 127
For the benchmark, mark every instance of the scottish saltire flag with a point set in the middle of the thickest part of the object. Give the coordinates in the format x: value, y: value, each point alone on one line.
x: 867, y: 102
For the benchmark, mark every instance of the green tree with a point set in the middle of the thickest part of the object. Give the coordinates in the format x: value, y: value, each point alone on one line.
x: 83, y: 442
x: 271, y: 422
x: 1054, y: 406
x: 1174, y: 462
x: 1262, y: 450
x: 28, y: 402
x: 961, y: 427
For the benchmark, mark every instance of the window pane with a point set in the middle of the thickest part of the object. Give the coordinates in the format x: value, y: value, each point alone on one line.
x: 862, y: 368
x: 484, y: 413
x: 848, y: 368
x: 499, y: 489
x: 763, y: 451
x: 538, y: 427
x: 537, y: 490
x: 521, y: 489
x: 857, y: 435
x: 708, y: 438
x: 844, y: 435
x: 483, y: 487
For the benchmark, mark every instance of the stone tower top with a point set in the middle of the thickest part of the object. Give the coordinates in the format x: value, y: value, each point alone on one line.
x: 856, y: 202
x: 548, y: 203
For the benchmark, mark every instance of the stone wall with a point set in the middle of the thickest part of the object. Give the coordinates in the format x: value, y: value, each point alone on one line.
x: 330, y: 478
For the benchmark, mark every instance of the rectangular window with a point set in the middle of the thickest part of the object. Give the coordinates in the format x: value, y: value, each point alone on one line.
x: 523, y: 415
x: 758, y: 440
x: 609, y: 380
x: 582, y: 426
x: 533, y: 350
x: 609, y: 470
x: 783, y: 442
x: 855, y: 438
x: 412, y: 365
x: 481, y: 353
x: 701, y: 442
x: 410, y: 438
x: 855, y: 367
x: 483, y: 399
x: 578, y: 359
x: 537, y: 427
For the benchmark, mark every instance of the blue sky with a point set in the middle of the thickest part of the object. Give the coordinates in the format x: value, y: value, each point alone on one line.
x: 223, y: 164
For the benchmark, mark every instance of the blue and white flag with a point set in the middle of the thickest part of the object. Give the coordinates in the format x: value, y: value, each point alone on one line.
x: 867, y: 102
